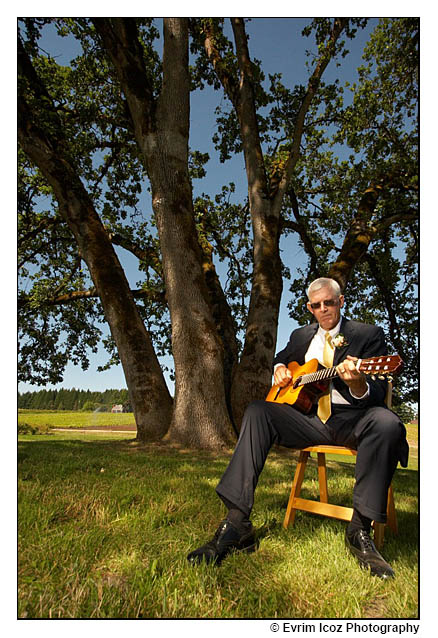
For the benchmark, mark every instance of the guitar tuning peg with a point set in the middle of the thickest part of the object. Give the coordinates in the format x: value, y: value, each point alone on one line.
x: 390, y: 379
x: 373, y: 376
x: 381, y: 377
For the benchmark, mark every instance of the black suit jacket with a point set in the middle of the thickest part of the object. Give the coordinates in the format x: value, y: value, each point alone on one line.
x: 362, y: 340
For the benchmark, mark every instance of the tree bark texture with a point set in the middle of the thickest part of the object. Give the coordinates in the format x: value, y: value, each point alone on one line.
x: 252, y: 376
x: 225, y: 325
x: 150, y: 399
x: 357, y: 239
x: 363, y: 229
x: 200, y: 416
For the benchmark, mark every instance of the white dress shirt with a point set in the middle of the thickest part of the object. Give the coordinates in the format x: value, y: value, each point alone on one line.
x: 315, y: 351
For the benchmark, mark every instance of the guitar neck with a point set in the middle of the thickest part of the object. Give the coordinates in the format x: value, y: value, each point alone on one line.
x: 377, y: 365
x: 319, y: 375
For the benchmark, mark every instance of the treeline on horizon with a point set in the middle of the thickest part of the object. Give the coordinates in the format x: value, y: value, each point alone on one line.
x: 85, y: 400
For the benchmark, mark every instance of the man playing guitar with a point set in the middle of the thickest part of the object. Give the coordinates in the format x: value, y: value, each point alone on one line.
x: 349, y: 410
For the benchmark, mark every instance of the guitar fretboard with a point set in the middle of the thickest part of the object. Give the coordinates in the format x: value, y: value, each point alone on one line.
x: 377, y: 365
x: 319, y: 375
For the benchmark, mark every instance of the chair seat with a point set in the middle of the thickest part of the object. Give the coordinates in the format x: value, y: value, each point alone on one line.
x: 323, y: 507
x: 331, y: 449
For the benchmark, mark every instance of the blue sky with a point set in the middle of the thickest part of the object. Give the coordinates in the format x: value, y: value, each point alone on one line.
x: 280, y: 46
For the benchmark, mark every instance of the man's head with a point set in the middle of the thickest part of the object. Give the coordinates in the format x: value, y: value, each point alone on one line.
x: 325, y: 302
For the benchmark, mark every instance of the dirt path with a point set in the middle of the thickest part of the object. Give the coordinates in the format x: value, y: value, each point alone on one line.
x: 99, y: 428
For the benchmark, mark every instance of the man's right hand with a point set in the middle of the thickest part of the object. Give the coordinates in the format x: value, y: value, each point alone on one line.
x: 282, y: 376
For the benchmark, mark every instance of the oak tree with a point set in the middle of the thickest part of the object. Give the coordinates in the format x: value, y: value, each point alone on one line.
x: 336, y: 171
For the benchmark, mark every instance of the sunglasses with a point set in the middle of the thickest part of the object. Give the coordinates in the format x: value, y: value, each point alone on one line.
x: 328, y: 303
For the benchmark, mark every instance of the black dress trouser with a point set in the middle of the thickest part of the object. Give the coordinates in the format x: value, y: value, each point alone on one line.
x: 375, y: 432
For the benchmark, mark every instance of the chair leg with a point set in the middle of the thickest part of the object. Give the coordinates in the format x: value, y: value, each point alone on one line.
x: 391, y: 521
x: 296, y: 489
x: 391, y: 514
x: 379, y: 532
x: 322, y: 478
x: 333, y: 511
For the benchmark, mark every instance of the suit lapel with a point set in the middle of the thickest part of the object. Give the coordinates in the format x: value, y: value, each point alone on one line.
x: 306, y: 334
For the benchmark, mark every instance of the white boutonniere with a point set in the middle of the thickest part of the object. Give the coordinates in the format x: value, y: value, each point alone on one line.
x: 339, y: 341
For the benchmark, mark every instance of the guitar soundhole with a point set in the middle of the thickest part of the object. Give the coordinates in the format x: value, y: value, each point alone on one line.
x: 297, y: 382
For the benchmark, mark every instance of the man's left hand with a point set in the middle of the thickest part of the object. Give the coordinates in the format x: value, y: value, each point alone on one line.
x: 355, y: 380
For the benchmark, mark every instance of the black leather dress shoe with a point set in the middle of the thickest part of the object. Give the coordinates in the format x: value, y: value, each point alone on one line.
x: 362, y: 547
x: 226, y: 540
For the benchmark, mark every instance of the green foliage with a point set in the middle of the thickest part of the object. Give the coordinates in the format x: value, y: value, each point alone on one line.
x: 369, y: 138
x: 407, y: 413
x: 361, y: 134
x: 27, y: 428
x: 89, y: 406
x: 92, y: 111
x: 227, y: 228
x: 85, y: 400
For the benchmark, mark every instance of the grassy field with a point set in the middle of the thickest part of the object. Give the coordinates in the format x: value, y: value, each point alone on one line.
x: 61, y: 419
x: 105, y: 524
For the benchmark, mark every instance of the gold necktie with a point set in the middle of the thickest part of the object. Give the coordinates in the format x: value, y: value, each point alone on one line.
x: 324, y: 403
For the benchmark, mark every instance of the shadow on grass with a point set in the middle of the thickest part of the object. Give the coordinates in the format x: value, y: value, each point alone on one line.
x: 157, y: 502
x: 404, y: 545
x: 53, y: 460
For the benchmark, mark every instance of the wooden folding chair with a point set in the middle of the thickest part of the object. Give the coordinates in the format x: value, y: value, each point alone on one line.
x: 323, y: 507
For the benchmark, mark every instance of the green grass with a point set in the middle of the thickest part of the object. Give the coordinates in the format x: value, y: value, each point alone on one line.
x: 105, y: 525
x: 61, y: 419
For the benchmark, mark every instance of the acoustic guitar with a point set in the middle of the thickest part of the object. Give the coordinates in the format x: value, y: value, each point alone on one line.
x: 311, y: 380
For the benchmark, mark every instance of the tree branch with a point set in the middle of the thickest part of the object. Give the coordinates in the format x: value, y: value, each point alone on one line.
x: 120, y: 39
x: 407, y: 217
x: 226, y: 78
x: 390, y: 304
x: 43, y: 224
x: 149, y: 255
x: 247, y: 114
x: 361, y: 232
x: 326, y: 55
x: 300, y: 228
x: 77, y: 295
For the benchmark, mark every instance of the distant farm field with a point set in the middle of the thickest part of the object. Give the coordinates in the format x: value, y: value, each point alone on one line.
x: 61, y: 419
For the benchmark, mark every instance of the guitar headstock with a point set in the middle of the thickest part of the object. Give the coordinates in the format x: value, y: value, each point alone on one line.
x: 381, y: 366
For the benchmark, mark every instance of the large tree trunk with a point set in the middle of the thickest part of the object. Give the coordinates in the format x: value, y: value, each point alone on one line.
x: 252, y: 376
x: 225, y: 326
x: 161, y: 126
x: 148, y: 392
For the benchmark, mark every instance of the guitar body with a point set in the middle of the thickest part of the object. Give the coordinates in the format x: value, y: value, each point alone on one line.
x: 311, y: 380
x: 302, y: 397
